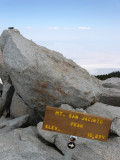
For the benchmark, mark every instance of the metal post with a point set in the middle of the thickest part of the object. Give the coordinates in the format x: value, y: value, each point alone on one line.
x: 70, y: 146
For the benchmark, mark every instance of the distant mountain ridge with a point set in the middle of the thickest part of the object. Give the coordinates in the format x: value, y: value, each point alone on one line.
x: 106, y: 76
x: 102, y: 71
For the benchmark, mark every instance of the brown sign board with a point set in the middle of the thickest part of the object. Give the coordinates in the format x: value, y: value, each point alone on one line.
x: 76, y: 123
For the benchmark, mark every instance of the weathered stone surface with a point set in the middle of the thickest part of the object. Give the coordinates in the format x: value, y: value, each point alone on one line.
x: 8, y: 124
x: 80, y: 110
x: 2, y: 102
x: 110, y: 96
x: 18, y: 108
x: 44, y: 77
x: 6, y: 87
x: 23, y: 144
x: 86, y: 149
x: 3, y: 98
x: 47, y: 135
x: 90, y: 149
x: 66, y: 106
x: 3, y: 72
x: 115, y: 127
x: 104, y: 110
x: 111, y: 83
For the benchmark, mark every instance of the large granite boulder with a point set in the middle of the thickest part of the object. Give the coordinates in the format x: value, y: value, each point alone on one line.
x: 44, y: 77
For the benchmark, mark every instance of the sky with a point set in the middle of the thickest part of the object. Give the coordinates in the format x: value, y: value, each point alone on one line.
x: 86, y: 31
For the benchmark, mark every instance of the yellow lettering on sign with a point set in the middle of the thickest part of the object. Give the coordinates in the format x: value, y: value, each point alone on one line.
x: 54, y: 128
x: 93, y: 120
x: 58, y: 113
x: 73, y: 116
x: 101, y: 121
x: 76, y: 125
x: 96, y: 136
x: 89, y: 119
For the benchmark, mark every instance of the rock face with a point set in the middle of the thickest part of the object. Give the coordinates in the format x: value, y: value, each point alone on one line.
x: 44, y: 77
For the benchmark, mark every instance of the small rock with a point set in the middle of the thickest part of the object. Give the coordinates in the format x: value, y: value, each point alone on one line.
x: 81, y: 110
x: 66, y: 106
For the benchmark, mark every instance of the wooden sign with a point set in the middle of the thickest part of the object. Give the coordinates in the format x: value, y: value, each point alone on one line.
x: 76, y: 123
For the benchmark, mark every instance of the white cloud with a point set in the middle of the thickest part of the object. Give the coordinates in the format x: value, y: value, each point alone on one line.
x: 66, y: 28
x: 56, y: 28
x: 53, y: 28
x: 84, y: 28
x: 28, y: 27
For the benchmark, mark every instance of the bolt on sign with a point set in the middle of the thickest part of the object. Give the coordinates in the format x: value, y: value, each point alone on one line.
x: 76, y: 123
